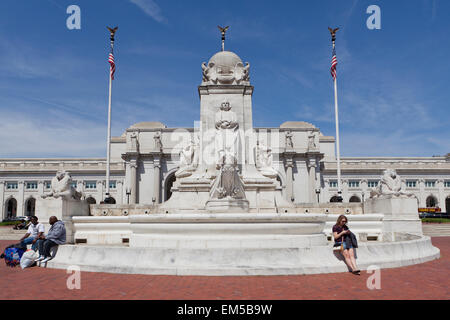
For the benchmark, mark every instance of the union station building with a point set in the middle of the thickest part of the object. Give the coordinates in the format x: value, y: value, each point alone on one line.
x: 146, y: 156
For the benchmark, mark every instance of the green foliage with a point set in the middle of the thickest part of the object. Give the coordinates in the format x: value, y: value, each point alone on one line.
x: 9, y: 223
x: 436, y: 220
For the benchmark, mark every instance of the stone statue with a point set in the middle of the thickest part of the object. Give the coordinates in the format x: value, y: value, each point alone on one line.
x: 227, y: 134
x: 264, y: 161
x: 205, y: 76
x: 60, y: 187
x: 134, y: 141
x: 311, y: 142
x: 228, y: 184
x: 158, y: 143
x: 234, y: 74
x: 289, y: 142
x: 188, y: 160
x: 226, y: 119
x: 390, y: 184
x: 242, y: 74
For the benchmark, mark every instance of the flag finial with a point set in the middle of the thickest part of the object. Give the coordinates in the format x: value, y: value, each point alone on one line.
x: 333, y: 33
x: 223, y: 31
x: 112, y: 32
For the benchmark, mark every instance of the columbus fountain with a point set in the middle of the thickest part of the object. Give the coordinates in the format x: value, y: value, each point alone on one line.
x: 228, y: 214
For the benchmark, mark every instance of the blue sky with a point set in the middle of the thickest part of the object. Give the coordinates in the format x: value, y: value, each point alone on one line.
x: 394, y: 84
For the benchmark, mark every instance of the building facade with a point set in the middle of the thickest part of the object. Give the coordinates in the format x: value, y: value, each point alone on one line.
x: 23, y: 180
x: 146, y: 157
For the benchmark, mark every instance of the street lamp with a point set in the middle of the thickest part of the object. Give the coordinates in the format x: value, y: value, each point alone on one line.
x: 362, y: 196
x: 318, y: 193
x: 339, y: 197
x: 128, y: 192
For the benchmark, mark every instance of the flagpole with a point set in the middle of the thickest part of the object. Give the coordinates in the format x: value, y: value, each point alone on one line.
x: 108, y: 143
x: 338, y: 152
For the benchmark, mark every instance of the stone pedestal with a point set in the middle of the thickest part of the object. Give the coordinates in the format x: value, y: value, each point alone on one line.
x: 64, y: 210
x: 227, y: 205
x: 400, y: 213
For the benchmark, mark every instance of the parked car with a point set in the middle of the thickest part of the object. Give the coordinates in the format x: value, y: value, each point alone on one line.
x: 434, y: 215
x: 19, y: 218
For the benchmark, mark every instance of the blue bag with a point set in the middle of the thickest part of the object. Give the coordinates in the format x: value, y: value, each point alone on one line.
x: 12, y: 256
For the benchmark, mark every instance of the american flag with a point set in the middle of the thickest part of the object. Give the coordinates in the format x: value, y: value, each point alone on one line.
x: 333, y: 65
x: 112, y: 69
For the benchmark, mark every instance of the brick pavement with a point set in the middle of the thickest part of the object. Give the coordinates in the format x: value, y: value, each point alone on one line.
x: 425, y: 281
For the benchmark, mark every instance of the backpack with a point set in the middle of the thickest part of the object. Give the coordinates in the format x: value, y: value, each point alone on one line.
x: 12, y: 256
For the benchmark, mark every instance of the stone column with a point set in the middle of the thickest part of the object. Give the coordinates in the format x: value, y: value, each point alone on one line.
x: 326, y: 191
x: 289, y: 179
x: 364, y: 186
x: 20, y: 199
x: 133, y: 169
x: 422, y: 200
x: 119, y: 189
x: 345, y: 190
x: 40, y: 189
x: 441, y: 196
x: 80, y: 185
x: 403, y: 184
x: 2, y: 200
x: 157, y: 178
x: 364, y: 190
x: 100, y: 190
x: 312, y: 179
x: 319, y: 181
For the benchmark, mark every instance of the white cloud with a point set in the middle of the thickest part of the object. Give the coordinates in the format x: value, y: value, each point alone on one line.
x: 50, y: 135
x: 390, y: 143
x: 28, y: 62
x: 151, y: 9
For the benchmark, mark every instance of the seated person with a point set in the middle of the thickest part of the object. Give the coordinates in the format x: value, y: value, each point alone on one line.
x: 22, y: 225
x: 340, y: 233
x: 56, y: 236
x: 35, y: 230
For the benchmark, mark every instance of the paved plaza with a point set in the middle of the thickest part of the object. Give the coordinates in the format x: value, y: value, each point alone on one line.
x: 424, y: 281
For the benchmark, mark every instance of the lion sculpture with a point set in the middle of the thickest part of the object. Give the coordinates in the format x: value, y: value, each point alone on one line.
x: 390, y: 184
x: 61, y: 187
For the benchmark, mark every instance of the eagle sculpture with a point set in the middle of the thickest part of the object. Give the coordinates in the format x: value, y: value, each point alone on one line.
x: 333, y: 33
x: 223, y: 30
x: 112, y: 31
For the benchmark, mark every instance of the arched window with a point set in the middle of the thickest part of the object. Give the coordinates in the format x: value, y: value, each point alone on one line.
x: 431, y: 202
x: 111, y: 200
x: 30, y: 207
x: 168, y: 187
x: 11, y: 208
x: 91, y: 200
x: 355, y: 199
x: 334, y: 199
